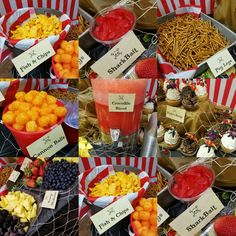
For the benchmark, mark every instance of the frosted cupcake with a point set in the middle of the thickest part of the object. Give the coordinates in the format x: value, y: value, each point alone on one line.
x: 160, y: 132
x: 172, y: 139
x: 148, y: 108
x: 207, y: 150
x: 201, y: 91
x: 173, y: 97
x: 228, y: 141
x: 189, y: 145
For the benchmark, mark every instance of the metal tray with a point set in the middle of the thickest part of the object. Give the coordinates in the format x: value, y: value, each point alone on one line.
x: 164, y: 198
x: 85, y: 39
x: 229, y: 34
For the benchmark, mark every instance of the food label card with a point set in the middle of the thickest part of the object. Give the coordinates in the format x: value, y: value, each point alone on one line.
x: 121, y: 102
x: 14, y: 176
x: 33, y: 57
x: 175, y: 113
x: 1, y: 97
x: 112, y: 214
x: 25, y: 163
x: 50, y: 199
x: 120, y: 57
x: 198, y: 215
x: 221, y: 62
x: 162, y: 215
x: 83, y: 58
x: 49, y: 144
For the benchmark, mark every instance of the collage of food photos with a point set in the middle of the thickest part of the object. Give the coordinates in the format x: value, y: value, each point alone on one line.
x: 117, y: 118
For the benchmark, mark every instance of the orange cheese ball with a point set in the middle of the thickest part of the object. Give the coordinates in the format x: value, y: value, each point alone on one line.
x: 33, y: 111
x: 66, y: 60
x: 145, y: 217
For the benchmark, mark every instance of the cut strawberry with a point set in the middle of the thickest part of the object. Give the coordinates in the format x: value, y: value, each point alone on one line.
x: 225, y: 226
x: 31, y: 183
x: 147, y: 68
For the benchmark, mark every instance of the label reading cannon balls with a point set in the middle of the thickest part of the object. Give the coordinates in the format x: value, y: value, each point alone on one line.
x: 33, y: 57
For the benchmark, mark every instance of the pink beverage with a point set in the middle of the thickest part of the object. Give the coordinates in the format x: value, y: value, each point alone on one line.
x: 127, y: 122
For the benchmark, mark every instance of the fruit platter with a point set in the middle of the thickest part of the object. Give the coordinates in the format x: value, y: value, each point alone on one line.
x: 190, y: 180
x: 194, y: 120
x: 31, y: 27
x: 140, y: 190
x: 23, y: 195
x: 30, y: 114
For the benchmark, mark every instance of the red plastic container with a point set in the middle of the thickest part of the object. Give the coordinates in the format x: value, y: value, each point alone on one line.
x: 71, y: 134
x: 24, y: 138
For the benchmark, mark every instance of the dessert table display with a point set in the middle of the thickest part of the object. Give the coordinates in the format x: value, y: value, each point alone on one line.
x: 196, y: 118
x: 191, y: 181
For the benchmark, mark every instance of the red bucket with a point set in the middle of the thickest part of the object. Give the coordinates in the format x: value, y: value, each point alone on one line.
x: 24, y: 138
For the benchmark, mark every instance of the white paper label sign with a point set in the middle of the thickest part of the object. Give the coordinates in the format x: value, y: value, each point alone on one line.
x: 221, y: 62
x: 175, y: 113
x: 50, y: 199
x: 121, y: 102
x: 120, y: 57
x: 162, y: 215
x: 25, y: 163
x: 112, y: 214
x: 49, y: 144
x: 1, y: 97
x: 83, y: 58
x: 198, y: 215
x: 33, y: 57
x: 14, y: 176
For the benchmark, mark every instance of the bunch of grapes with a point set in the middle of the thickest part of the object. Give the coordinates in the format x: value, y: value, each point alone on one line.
x: 11, y: 225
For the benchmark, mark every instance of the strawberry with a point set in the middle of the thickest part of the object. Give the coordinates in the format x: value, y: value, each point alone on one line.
x: 35, y: 171
x: 225, y: 226
x: 41, y: 171
x: 147, y: 68
x: 31, y: 183
x: 37, y: 162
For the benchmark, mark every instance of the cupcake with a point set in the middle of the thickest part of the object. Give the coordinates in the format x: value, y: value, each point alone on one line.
x: 183, y: 83
x: 160, y: 132
x: 224, y: 126
x: 222, y: 113
x: 228, y: 141
x: 189, y: 99
x: 207, y: 150
x: 189, y: 145
x: 213, y: 134
x: 173, y: 97
x: 148, y: 108
x: 201, y: 91
x: 172, y: 139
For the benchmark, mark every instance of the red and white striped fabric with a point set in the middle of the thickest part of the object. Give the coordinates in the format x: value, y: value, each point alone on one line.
x: 167, y: 69
x: 9, y: 88
x: 165, y: 7
x: 69, y: 7
x: 222, y: 91
x: 148, y: 165
x: 152, y: 88
x: 9, y: 21
x: 88, y: 178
